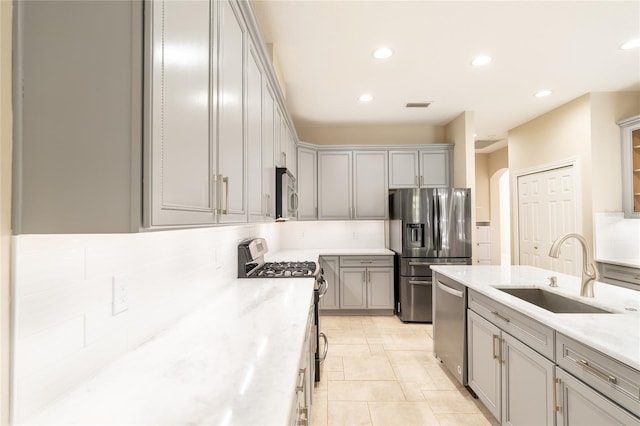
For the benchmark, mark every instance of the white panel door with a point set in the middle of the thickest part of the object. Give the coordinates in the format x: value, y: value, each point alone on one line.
x: 231, y: 137
x: 370, y: 193
x: 307, y: 184
x: 334, y: 185
x: 254, y: 139
x: 403, y: 169
x: 546, y: 211
x: 182, y: 163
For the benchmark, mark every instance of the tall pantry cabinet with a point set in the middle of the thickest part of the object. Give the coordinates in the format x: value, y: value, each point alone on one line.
x: 133, y: 114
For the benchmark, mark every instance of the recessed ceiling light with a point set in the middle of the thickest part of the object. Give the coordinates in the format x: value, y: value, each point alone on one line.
x: 631, y: 44
x: 365, y: 97
x: 382, y: 53
x: 543, y: 93
x: 481, y: 60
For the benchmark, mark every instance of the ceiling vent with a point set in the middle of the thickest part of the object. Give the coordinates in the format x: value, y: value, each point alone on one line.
x: 417, y: 104
x: 483, y: 143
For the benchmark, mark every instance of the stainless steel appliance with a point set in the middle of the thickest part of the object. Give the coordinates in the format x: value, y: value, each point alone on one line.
x: 427, y: 226
x: 286, y: 195
x: 251, y: 264
x: 449, y: 336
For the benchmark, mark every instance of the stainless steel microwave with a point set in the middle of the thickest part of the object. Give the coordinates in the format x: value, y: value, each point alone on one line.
x: 286, y: 195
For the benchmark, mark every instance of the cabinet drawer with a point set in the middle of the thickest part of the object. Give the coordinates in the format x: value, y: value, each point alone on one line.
x: 537, y: 336
x: 621, y: 273
x: 365, y: 261
x: 617, y: 381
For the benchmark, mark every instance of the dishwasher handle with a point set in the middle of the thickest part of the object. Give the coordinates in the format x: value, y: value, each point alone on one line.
x: 451, y: 291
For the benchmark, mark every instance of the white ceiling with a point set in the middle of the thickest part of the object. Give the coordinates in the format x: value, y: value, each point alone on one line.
x: 323, y: 49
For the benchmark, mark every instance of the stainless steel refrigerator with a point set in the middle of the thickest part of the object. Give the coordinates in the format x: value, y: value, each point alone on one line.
x: 427, y: 226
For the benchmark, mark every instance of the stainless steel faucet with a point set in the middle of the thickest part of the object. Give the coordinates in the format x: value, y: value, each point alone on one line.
x: 589, y: 271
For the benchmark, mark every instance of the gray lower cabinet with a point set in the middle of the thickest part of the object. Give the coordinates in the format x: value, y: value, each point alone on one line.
x: 580, y: 405
x: 623, y: 276
x: 511, y: 379
x: 358, y: 284
x: 331, y: 268
x: 353, y: 288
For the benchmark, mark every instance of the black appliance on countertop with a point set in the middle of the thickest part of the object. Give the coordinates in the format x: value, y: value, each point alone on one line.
x: 251, y: 264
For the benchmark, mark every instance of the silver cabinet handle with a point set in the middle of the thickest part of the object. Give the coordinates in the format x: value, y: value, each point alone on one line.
x: 497, y: 314
x: 301, y: 374
x: 451, y: 291
x: 495, y: 337
x: 416, y: 282
x: 556, y: 407
x: 584, y: 364
x: 420, y: 263
x: 326, y: 347
x: 225, y: 181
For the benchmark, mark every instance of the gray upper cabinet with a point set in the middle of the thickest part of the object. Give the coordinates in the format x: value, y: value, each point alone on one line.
x: 307, y: 184
x: 77, y: 124
x: 231, y: 142
x: 268, y: 161
x: 255, y: 200
x: 334, y: 185
x: 182, y: 161
x: 370, y: 190
x: 157, y: 112
x: 428, y: 167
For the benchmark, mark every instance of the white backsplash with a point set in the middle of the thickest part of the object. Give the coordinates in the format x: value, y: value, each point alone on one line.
x: 63, y: 322
x: 616, y: 238
x: 349, y: 234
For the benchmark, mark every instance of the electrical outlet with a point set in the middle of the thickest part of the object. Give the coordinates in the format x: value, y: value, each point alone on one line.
x: 119, y: 296
x: 355, y: 235
x: 302, y: 235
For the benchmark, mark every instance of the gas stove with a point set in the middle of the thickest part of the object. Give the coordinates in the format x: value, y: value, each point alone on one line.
x: 286, y: 270
x: 251, y: 263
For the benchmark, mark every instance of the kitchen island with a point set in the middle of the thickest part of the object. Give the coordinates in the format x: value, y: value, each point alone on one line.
x: 560, y: 367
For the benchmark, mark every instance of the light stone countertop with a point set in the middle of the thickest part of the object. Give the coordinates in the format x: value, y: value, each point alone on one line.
x: 630, y: 263
x: 616, y: 335
x: 234, y: 361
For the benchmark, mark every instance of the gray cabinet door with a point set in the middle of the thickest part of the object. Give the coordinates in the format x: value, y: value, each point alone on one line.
x: 580, y: 405
x: 330, y: 266
x: 403, y: 169
x: 484, y: 356
x: 334, y: 185
x: 182, y: 161
x: 527, y: 385
x: 254, y: 138
x: 307, y: 184
x: 435, y: 168
x: 380, y: 288
x: 268, y: 162
x: 353, y: 288
x: 231, y: 135
x: 370, y: 192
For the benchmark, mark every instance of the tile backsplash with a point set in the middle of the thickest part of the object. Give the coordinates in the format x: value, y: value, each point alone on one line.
x: 351, y: 234
x: 65, y: 329
x: 64, y: 325
x: 617, y: 239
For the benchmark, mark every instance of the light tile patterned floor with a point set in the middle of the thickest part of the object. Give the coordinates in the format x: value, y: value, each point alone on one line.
x: 380, y: 371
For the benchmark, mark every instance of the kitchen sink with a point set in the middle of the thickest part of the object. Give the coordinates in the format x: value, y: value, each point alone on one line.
x: 553, y: 302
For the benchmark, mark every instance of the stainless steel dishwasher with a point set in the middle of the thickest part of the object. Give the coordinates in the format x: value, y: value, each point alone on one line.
x: 449, y: 325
